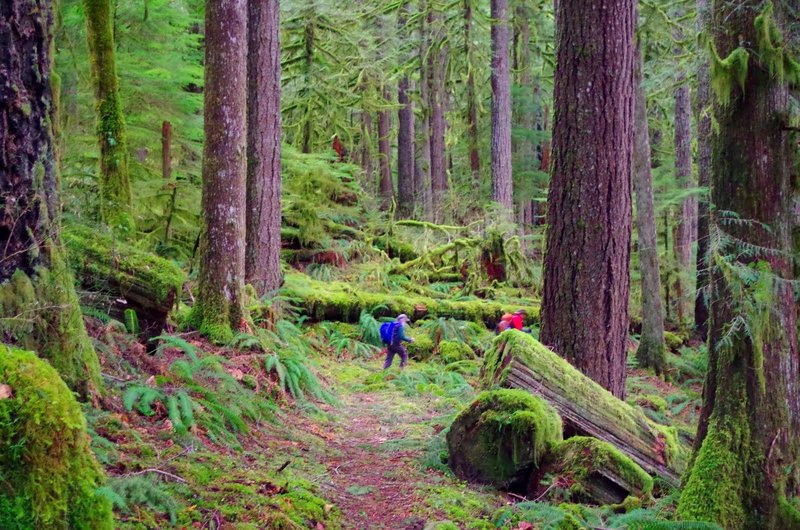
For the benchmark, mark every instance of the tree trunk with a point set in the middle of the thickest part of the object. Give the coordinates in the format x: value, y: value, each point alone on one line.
x: 437, y: 70
x: 704, y: 138
x: 684, y: 236
x: 220, y: 306
x: 650, y: 353
x: 385, y: 154
x: 502, y: 186
x: 38, y: 307
x: 366, y: 146
x: 518, y: 361
x: 586, y: 269
x: 472, y: 103
x: 406, y: 189
x: 263, y: 251
x: 745, y: 473
x: 422, y: 167
x: 166, y: 151
x: 114, y: 181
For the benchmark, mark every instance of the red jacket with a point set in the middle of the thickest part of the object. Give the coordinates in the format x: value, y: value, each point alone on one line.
x: 517, y: 321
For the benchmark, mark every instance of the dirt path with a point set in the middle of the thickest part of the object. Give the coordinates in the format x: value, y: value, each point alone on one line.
x: 374, y: 443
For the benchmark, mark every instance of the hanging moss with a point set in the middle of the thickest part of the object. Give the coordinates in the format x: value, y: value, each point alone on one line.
x: 50, y: 477
x: 502, y: 437
x: 41, y: 312
x: 772, y: 53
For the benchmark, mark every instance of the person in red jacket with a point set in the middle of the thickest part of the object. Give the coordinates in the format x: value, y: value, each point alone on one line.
x: 518, y: 319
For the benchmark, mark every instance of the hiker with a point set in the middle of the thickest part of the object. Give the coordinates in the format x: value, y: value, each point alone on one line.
x: 518, y: 320
x: 504, y: 324
x: 393, y: 335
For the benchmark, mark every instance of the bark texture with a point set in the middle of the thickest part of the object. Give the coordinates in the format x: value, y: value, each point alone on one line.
x: 650, y: 353
x: 502, y: 186
x: 220, y: 307
x: 114, y: 181
x: 437, y: 72
x: 38, y: 306
x: 704, y: 151
x: 745, y: 474
x: 684, y: 236
x: 586, y: 270
x: 263, y: 252
x: 385, y: 154
x: 406, y: 187
x: 472, y: 103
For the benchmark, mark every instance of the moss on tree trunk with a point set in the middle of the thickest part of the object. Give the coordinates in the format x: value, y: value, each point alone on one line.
x: 114, y: 181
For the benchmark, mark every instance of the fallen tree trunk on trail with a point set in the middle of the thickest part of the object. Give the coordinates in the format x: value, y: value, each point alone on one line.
x: 342, y: 302
x: 130, y: 278
x: 517, y: 360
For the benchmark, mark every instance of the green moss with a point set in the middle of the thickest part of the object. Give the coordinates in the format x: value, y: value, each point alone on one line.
x: 652, y: 402
x: 422, y: 347
x: 50, y: 477
x: 502, y: 436
x: 673, y: 340
x: 41, y: 313
x: 453, y: 351
x: 713, y: 491
x: 580, y: 459
x: 772, y: 52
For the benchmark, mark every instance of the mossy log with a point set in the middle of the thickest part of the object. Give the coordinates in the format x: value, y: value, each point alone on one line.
x: 50, y: 476
x: 516, y: 360
x: 593, y: 472
x: 342, y: 302
x: 142, y: 281
x: 501, y: 438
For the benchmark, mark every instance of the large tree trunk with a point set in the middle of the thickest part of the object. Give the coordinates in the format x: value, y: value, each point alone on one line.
x: 472, y: 103
x: 422, y: 167
x: 502, y: 186
x: 684, y: 236
x: 220, y: 305
x: 437, y: 72
x: 703, y: 177
x: 518, y: 361
x: 385, y: 154
x: 38, y: 306
x: 114, y: 181
x: 650, y: 353
x: 745, y: 473
x: 263, y: 252
x: 406, y: 189
x: 586, y: 270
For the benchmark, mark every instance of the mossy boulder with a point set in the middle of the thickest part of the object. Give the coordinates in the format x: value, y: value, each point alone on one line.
x: 502, y: 437
x: 673, y: 340
x: 592, y: 472
x: 50, y: 476
x: 422, y: 347
x: 454, y: 351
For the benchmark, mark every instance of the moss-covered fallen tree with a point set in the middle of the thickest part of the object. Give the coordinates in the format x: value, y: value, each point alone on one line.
x: 50, y: 476
x: 516, y: 360
x: 146, y: 283
x: 342, y: 302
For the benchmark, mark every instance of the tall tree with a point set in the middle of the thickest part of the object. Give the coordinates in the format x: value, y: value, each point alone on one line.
x: 586, y: 268
x: 263, y: 251
x: 38, y: 306
x: 437, y: 74
x: 406, y: 187
x: 220, y: 306
x: 745, y: 473
x: 114, y: 181
x: 502, y: 186
x: 650, y: 353
x: 704, y: 151
x: 422, y: 167
x: 385, y: 152
x: 472, y: 99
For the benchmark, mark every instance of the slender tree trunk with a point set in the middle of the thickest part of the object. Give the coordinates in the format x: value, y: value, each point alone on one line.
x: 166, y: 151
x: 263, y: 251
x: 704, y: 138
x: 524, y: 149
x: 385, y: 154
x: 38, y: 306
x: 308, y: 59
x: 422, y: 168
x: 366, y: 146
x: 406, y: 188
x: 220, y: 305
x: 472, y: 103
x: 650, y: 353
x: 502, y: 185
x: 114, y: 181
x: 437, y: 69
x: 745, y: 474
x: 684, y: 236
x: 586, y: 269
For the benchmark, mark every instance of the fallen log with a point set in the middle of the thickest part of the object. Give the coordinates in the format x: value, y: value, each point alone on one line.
x: 130, y: 278
x: 517, y: 360
x: 342, y: 302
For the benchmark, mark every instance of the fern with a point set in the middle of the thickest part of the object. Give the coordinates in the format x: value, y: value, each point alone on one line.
x: 171, y: 341
x: 125, y: 492
x: 370, y: 329
x: 132, y: 321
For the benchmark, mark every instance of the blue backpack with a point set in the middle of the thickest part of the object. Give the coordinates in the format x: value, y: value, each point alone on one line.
x: 387, y: 332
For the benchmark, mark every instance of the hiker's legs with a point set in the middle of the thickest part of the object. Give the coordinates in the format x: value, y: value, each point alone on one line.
x: 403, y: 355
x: 389, y: 357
